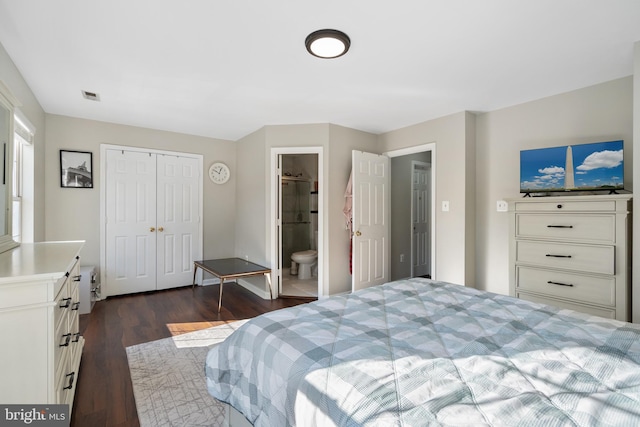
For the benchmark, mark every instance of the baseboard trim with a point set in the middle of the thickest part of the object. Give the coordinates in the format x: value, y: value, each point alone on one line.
x: 244, y: 283
x: 253, y: 288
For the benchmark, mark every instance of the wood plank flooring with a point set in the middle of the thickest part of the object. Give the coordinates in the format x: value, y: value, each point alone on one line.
x: 104, y: 394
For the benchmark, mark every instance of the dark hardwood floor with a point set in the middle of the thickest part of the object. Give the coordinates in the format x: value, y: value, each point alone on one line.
x: 104, y: 394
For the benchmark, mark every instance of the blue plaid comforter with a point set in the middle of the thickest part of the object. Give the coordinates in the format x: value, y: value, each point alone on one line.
x: 418, y: 353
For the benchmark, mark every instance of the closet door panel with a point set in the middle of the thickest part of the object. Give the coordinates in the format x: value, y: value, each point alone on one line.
x: 179, y: 244
x: 130, y: 222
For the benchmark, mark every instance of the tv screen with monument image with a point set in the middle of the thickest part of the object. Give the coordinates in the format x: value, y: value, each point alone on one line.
x: 597, y: 166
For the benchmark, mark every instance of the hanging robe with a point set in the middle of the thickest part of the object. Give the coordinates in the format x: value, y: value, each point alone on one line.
x: 348, y: 214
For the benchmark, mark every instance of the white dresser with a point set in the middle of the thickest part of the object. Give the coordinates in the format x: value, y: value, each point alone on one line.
x: 572, y: 252
x: 39, y: 324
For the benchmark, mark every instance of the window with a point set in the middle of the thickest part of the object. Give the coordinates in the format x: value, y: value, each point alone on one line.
x: 23, y: 140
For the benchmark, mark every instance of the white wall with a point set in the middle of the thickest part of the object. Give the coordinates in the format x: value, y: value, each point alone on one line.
x: 254, y: 189
x: 477, y: 164
x: 73, y: 214
x: 308, y: 135
x: 598, y: 113
x: 255, y: 215
x: 451, y: 168
x: 338, y: 167
x: 251, y: 198
x: 32, y: 110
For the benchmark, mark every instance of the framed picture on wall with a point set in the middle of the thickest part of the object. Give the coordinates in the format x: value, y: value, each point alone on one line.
x: 76, y: 169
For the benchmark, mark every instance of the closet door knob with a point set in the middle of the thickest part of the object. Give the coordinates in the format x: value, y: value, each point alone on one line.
x: 358, y: 233
x: 161, y: 229
x: 152, y: 229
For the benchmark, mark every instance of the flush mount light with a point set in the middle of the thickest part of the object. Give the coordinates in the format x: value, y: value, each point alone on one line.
x: 327, y: 44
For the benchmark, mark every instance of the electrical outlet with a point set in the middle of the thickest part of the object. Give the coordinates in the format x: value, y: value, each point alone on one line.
x: 445, y: 206
x: 502, y: 206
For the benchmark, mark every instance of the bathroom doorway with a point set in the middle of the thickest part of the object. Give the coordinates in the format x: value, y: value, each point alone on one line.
x: 298, y: 225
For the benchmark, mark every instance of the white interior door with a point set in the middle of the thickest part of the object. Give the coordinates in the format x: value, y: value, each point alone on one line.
x: 178, y: 220
x: 130, y: 222
x: 420, y: 222
x: 371, y: 219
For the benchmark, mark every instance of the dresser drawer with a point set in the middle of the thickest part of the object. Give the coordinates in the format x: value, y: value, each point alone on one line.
x: 65, y: 381
x: 592, y: 228
x: 581, y: 258
x: 60, y: 383
x: 74, y: 278
x: 74, y: 329
x: 63, y: 304
x: 589, y: 289
x: 566, y: 206
x: 594, y: 311
x: 61, y: 343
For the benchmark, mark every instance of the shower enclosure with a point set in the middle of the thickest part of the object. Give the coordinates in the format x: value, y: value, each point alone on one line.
x: 296, y: 217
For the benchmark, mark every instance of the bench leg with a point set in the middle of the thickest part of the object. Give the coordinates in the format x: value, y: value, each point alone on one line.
x: 220, y: 298
x: 268, y: 276
x: 195, y: 270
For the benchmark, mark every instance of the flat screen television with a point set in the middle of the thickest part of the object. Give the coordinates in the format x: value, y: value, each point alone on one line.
x: 597, y: 166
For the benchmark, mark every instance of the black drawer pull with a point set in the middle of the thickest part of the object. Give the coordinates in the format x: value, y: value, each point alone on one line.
x: 558, y: 256
x: 77, y: 278
x: 559, y: 226
x: 76, y: 306
x: 67, y: 303
x: 72, y: 376
x: 67, y: 338
x: 560, y: 284
x: 77, y: 335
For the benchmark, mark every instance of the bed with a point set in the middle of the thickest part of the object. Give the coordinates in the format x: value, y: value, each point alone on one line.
x: 418, y: 352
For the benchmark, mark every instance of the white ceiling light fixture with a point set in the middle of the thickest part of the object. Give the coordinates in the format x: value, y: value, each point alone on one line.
x: 327, y: 44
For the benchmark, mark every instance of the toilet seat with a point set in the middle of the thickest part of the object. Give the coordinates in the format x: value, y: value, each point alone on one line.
x: 309, y: 255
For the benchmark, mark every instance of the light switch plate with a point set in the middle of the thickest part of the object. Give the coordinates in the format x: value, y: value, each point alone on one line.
x: 502, y: 206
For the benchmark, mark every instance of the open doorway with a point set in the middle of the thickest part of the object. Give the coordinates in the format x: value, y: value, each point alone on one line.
x: 298, y: 224
x: 412, y: 212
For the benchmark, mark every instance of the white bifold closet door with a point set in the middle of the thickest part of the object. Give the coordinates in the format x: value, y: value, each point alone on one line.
x: 152, y: 221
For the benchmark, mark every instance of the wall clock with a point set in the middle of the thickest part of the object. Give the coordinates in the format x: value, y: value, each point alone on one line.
x: 219, y: 173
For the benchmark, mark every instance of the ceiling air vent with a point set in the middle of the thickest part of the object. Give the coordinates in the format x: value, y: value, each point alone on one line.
x: 91, y: 96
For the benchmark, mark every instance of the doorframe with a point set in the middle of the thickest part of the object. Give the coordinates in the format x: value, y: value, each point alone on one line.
x: 431, y: 146
x: 103, y: 192
x: 275, y: 181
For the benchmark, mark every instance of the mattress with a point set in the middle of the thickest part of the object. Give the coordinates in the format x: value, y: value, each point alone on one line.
x: 418, y: 352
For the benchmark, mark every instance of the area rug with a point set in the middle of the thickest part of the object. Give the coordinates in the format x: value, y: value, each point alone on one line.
x: 168, y: 379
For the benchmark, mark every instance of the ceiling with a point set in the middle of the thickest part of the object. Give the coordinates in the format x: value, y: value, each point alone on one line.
x: 225, y: 68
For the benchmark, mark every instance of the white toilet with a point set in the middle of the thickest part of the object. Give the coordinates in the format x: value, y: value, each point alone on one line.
x: 305, y: 260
